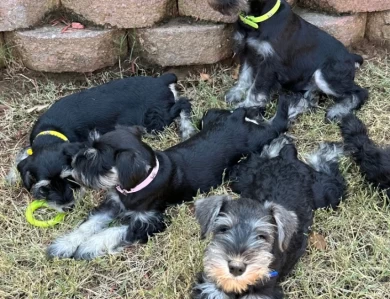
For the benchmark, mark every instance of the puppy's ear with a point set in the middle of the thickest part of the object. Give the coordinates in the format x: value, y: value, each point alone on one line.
x: 138, y: 131
x: 24, y: 170
x: 286, y: 222
x: 131, y: 167
x: 71, y: 149
x: 207, y: 210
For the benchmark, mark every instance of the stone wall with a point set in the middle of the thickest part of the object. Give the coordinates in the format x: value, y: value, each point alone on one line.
x: 162, y: 32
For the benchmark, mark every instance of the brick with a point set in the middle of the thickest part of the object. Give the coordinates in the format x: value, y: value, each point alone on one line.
x: 378, y: 28
x: 47, y: 49
x: 122, y: 13
x: 200, y: 9
x: 344, y: 6
x: 17, y: 14
x: 348, y: 29
x: 2, y: 51
x: 180, y: 43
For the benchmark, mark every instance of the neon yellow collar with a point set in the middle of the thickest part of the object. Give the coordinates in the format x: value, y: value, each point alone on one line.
x: 252, y: 20
x: 52, y: 133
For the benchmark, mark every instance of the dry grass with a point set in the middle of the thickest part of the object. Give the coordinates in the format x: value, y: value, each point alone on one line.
x: 356, y: 263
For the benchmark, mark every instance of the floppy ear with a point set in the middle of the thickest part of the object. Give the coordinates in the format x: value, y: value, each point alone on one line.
x: 286, y: 222
x: 71, y: 149
x: 131, y: 167
x: 207, y: 210
x: 23, y: 168
x: 138, y: 131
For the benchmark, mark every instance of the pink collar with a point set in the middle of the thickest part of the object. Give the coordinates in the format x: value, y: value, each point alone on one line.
x: 143, y: 184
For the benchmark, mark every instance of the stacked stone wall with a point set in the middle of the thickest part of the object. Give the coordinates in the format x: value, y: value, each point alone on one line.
x: 161, y: 32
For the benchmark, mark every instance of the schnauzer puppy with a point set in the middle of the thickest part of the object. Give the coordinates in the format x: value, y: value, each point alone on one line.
x: 59, y: 132
x: 143, y: 182
x: 283, y: 50
x: 257, y: 239
x: 374, y: 162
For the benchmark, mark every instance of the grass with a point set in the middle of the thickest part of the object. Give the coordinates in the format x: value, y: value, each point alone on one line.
x: 355, y: 264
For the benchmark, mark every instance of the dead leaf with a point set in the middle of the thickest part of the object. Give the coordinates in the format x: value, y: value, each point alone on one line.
x: 37, y: 108
x: 317, y: 241
x: 236, y: 72
x: 204, y: 77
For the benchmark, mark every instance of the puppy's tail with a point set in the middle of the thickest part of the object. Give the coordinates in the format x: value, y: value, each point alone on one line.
x: 329, y: 186
x: 355, y: 135
x: 168, y: 78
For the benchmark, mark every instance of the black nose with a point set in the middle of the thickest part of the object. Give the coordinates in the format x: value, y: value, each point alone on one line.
x: 237, y: 268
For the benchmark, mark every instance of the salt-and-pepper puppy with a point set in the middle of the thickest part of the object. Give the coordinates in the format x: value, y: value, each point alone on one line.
x: 257, y: 239
x: 143, y: 182
x: 374, y: 162
x: 285, y: 51
x: 59, y: 132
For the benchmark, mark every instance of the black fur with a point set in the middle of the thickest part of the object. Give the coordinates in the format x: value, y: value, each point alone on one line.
x: 374, y: 162
x: 285, y: 52
x: 144, y: 101
x: 195, y: 165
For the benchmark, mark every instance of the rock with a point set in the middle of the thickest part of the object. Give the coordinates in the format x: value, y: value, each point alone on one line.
x: 343, y: 6
x: 200, y: 9
x: 181, y: 43
x: 348, y: 29
x: 2, y: 51
x: 47, y: 49
x: 122, y: 13
x: 378, y: 28
x: 17, y: 14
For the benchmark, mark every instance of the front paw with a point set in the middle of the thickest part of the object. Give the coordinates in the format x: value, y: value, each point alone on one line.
x: 235, y: 95
x: 109, y: 241
x: 335, y: 114
x: 254, y: 100
x: 64, y: 247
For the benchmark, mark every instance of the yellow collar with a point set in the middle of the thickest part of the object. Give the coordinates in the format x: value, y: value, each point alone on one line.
x: 252, y: 20
x: 52, y: 133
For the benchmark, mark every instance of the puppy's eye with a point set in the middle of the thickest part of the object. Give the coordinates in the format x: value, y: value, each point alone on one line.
x: 222, y: 229
x: 261, y: 237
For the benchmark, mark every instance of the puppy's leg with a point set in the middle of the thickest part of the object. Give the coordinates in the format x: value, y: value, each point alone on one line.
x: 12, y: 177
x: 347, y: 104
x: 186, y: 127
x: 329, y: 186
x: 143, y: 225
x: 259, y: 92
x: 245, y: 81
x: 273, y: 149
x: 205, y: 289
x: 66, y: 246
x: 337, y: 79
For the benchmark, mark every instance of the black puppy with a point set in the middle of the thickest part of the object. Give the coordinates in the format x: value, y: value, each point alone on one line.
x: 258, y: 239
x: 56, y: 136
x: 374, y: 162
x: 286, y: 51
x: 143, y: 182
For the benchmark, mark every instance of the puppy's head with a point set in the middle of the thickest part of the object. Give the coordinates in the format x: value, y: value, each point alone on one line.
x: 42, y: 173
x: 245, y: 234
x: 116, y: 158
x: 229, y: 7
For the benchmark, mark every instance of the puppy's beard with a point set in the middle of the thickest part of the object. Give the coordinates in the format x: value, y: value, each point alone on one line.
x: 107, y: 181
x: 216, y: 268
x: 229, y: 7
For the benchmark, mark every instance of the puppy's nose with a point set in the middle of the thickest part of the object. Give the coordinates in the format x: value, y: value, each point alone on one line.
x: 237, y: 268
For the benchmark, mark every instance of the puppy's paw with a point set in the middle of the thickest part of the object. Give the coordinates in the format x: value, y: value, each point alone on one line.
x: 273, y: 149
x: 235, y: 95
x: 334, y: 114
x: 255, y: 100
x: 109, y: 241
x: 65, y: 246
